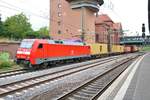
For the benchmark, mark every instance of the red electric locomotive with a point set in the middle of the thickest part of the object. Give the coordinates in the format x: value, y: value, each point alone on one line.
x: 33, y: 52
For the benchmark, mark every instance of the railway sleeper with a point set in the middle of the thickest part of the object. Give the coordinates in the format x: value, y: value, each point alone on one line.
x: 85, y: 94
x: 95, y: 87
x: 79, y: 97
x: 90, y: 92
x: 91, y: 89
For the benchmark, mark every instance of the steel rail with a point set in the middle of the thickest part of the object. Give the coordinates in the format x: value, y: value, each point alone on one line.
x: 38, y: 82
x: 12, y: 72
x: 91, y: 89
x: 22, y: 71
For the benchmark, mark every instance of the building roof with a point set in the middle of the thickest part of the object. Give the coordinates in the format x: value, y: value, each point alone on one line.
x: 103, y: 18
x: 100, y: 2
x: 117, y: 26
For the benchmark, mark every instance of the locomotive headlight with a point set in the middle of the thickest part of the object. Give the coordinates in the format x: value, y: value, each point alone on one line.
x: 27, y: 53
x: 19, y: 52
x: 23, y: 52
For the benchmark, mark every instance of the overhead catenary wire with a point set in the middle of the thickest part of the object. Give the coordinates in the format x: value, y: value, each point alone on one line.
x: 15, y: 8
x: 68, y: 25
x: 109, y: 6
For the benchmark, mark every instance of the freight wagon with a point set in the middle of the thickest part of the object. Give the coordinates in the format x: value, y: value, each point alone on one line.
x: 130, y: 48
x: 117, y: 49
x: 98, y: 50
x: 127, y: 49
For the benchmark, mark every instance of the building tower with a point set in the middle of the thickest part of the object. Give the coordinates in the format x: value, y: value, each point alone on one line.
x: 73, y: 19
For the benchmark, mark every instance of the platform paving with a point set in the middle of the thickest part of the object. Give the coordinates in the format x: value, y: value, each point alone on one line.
x: 139, y: 86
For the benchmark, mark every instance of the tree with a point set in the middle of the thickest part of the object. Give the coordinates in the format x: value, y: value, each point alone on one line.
x: 17, y: 26
x: 33, y: 34
x: 43, y: 32
x: 1, y: 27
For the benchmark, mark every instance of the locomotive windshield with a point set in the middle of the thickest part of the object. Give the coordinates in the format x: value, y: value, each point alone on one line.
x: 26, y: 44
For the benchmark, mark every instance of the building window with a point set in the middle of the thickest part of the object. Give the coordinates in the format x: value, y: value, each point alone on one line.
x: 59, y: 31
x: 97, y: 38
x: 66, y: 30
x: 59, y: 14
x: 59, y: 5
x: 59, y: 22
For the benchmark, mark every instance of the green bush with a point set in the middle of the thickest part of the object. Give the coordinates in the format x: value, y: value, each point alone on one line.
x: 4, y: 56
x: 5, y: 64
x: 4, y: 60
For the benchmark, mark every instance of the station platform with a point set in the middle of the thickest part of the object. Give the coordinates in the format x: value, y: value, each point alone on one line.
x: 133, y: 83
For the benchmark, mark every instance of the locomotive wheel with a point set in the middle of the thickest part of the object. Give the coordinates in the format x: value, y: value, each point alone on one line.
x: 33, y: 67
x: 18, y: 62
x: 44, y: 65
x: 30, y: 66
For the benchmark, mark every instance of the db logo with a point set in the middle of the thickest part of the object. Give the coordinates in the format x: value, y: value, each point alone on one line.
x: 72, y: 52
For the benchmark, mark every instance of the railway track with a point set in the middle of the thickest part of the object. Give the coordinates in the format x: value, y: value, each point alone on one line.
x: 10, y: 88
x: 13, y: 72
x: 23, y: 71
x: 93, y: 88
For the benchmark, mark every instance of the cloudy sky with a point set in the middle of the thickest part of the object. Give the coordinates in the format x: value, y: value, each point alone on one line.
x: 131, y: 13
x: 36, y: 10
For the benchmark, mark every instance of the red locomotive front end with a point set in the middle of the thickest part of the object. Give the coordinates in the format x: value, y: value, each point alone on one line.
x: 24, y: 51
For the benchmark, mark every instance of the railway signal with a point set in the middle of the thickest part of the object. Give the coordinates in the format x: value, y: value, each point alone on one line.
x: 143, y: 31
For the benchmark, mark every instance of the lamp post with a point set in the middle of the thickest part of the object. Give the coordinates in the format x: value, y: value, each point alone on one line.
x: 110, y: 31
x: 82, y: 25
x: 109, y: 40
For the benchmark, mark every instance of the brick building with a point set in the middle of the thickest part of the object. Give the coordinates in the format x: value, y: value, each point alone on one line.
x: 104, y: 26
x: 73, y: 19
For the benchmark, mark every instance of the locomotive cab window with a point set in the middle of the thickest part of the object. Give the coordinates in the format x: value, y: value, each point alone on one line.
x: 40, y: 46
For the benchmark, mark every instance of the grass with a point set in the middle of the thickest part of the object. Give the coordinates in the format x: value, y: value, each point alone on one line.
x: 6, y: 63
x: 4, y: 56
x: 15, y: 67
x: 146, y: 48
